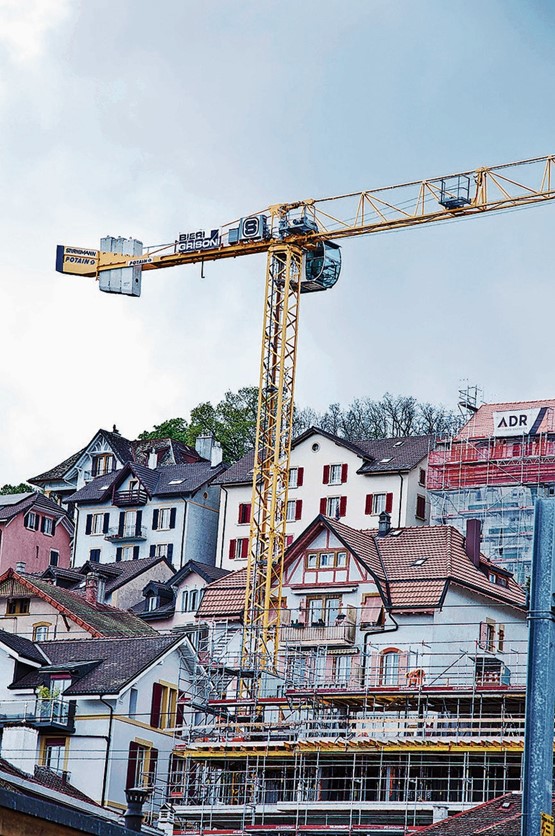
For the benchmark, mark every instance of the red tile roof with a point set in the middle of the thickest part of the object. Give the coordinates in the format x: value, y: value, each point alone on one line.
x: 481, y: 424
x: 499, y: 817
x: 225, y: 598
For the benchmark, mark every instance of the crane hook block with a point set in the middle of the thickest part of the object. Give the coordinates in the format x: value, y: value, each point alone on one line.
x: 124, y: 280
x: 322, y: 267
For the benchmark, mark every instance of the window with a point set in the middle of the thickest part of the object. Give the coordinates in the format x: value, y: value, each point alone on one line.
x: 40, y: 632
x: 376, y: 503
x: 53, y: 753
x: 141, y: 765
x: 239, y: 548
x: 335, y: 474
x: 54, y: 557
x: 163, y: 710
x: 294, y: 510
x: 31, y: 521
x: 151, y: 603
x: 422, y: 477
x: 133, y: 694
x: 127, y: 553
x: 421, y: 507
x: 163, y: 519
x: 244, y: 515
x: 17, y: 606
x: 102, y: 464
x: 94, y: 555
x: 333, y: 506
x: 501, y: 638
x: 389, y: 668
x: 341, y: 669
x: 185, y: 600
x: 296, y: 477
x: 487, y: 635
x: 323, y: 610
x: 97, y: 524
x: 326, y: 560
x: 162, y: 550
x: 47, y: 526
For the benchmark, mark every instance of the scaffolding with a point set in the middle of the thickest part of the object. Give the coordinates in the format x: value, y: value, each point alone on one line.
x: 496, y: 481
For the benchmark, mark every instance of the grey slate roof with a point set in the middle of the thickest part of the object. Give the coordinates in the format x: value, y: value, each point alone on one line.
x: 58, y: 471
x: 206, y: 572
x: 403, y: 454
x: 169, y: 587
x: 21, y: 646
x: 35, y: 499
x: 114, y: 662
x: 157, y: 482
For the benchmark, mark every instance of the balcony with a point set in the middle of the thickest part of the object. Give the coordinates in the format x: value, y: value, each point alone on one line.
x: 125, y: 498
x: 130, y: 534
x: 47, y: 715
x: 334, y: 635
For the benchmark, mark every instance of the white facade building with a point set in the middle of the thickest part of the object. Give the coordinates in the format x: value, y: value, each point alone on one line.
x: 351, y: 481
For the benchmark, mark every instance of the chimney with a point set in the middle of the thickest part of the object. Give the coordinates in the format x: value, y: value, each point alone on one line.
x: 91, y: 587
x: 203, y: 445
x: 133, y: 816
x: 473, y: 540
x: 384, y: 525
x: 20, y: 567
x: 153, y: 459
x: 216, y: 454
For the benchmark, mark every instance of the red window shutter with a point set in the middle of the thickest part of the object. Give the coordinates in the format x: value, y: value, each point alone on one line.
x: 245, y: 547
x: 389, y: 502
x: 421, y: 507
x: 288, y: 540
x: 298, y: 509
x: 369, y: 503
x: 323, y: 505
x: 344, y: 471
x: 232, y: 549
x: 132, y: 765
x: 240, y: 513
x: 244, y: 512
x: 156, y: 705
x: 342, y: 506
x: 300, y: 476
x: 326, y: 474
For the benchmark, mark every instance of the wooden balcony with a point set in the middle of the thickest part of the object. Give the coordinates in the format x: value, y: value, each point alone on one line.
x: 336, y: 635
x: 124, y: 499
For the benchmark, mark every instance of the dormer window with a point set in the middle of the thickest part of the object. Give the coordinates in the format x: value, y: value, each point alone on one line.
x: 102, y: 464
x: 151, y: 603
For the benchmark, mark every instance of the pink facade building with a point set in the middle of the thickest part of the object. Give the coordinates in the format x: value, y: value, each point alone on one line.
x: 35, y: 533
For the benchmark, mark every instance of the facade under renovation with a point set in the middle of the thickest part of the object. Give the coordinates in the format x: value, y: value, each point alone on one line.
x: 493, y: 470
x: 397, y: 699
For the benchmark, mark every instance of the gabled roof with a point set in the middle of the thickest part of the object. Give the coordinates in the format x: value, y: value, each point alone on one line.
x: 481, y: 424
x: 174, y: 480
x: 498, y: 817
x: 168, y: 589
x: 97, y: 619
x: 225, y: 598
x: 207, y: 572
x: 37, y: 500
x: 114, y: 662
x: 402, y: 454
x: 58, y: 471
x: 121, y: 572
x: 21, y: 647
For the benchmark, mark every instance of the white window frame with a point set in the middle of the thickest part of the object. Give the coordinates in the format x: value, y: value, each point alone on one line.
x: 127, y: 550
x: 129, y: 528
x: 97, y: 522
x: 161, y: 550
x: 31, y: 521
x: 379, y: 501
x: 293, y: 477
x: 335, y: 474
x: 162, y: 514
x: 333, y: 506
x: 291, y: 510
x: 48, y: 523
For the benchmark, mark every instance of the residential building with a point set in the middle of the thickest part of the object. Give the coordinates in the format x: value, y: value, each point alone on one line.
x: 138, y: 512
x: 119, y: 584
x: 100, y: 710
x: 492, y: 470
x: 108, y: 451
x: 34, y: 531
x: 350, y: 481
x: 499, y: 817
x: 398, y: 696
x: 34, y: 608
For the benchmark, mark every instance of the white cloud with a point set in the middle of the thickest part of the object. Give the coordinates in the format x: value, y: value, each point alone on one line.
x: 26, y: 23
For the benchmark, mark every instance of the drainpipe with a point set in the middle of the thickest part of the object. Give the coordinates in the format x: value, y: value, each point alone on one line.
x: 185, y: 521
x: 108, y: 745
x: 540, y: 683
x: 400, y: 475
x: 223, y: 525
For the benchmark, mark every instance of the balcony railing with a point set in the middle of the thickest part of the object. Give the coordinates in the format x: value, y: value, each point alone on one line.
x: 135, y: 497
x: 128, y: 532
x: 340, y: 635
x: 40, y: 713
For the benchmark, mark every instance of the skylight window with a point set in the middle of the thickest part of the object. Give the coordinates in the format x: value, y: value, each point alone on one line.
x: 398, y: 443
x: 176, y: 481
x: 396, y: 532
x: 383, y: 461
x: 420, y: 561
x: 104, y: 487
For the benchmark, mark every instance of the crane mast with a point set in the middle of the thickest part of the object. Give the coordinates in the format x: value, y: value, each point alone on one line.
x: 301, y: 257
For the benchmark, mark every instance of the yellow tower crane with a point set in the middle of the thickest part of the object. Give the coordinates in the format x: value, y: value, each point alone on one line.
x: 302, y: 257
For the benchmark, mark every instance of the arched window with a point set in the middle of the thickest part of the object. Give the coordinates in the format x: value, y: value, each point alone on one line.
x: 40, y: 631
x: 390, y: 666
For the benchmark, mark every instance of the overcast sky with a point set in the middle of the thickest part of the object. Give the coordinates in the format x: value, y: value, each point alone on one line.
x: 147, y: 119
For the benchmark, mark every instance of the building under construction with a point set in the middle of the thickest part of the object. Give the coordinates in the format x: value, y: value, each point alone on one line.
x: 492, y: 470
x: 398, y: 697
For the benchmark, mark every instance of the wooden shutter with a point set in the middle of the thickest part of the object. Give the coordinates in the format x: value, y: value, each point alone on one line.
x: 298, y: 509
x: 152, y: 764
x: 106, y: 525
x: 43, y: 524
x: 132, y: 765
x: 326, y: 475
x: 342, y: 506
x: 373, y: 675
x: 173, y: 514
x: 245, y: 547
x: 421, y: 507
x: 138, y: 523
x: 155, y: 519
x: 36, y: 522
x: 118, y: 553
x: 94, y: 555
x: 88, y: 526
x: 136, y: 552
x: 152, y: 551
x: 483, y: 641
x: 300, y: 476
x: 389, y: 502
x: 403, y: 668
x: 369, y: 503
x: 323, y: 505
x: 344, y: 471
x: 232, y: 546
x: 121, y: 523
x: 155, y: 705
x: 169, y: 552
